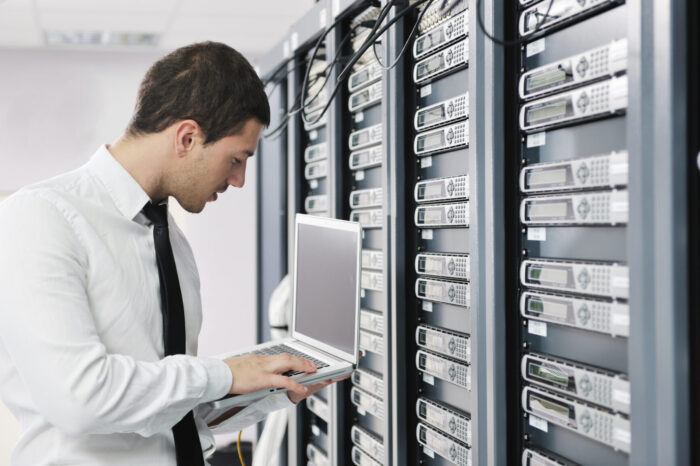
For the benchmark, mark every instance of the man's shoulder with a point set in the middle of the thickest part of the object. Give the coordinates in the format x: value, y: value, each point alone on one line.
x: 53, y: 192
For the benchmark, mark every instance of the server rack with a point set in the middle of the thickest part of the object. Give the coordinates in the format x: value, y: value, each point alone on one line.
x: 662, y: 201
x: 362, y: 108
x: 598, y: 351
x: 311, y: 181
x: 432, y: 193
x: 568, y: 214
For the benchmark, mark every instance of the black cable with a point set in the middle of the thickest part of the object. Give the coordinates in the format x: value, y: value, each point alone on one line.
x: 336, y: 59
x: 449, y: 10
x: 279, y: 68
x: 374, y: 34
x: 414, y: 30
x: 510, y: 43
x: 382, y: 14
x: 279, y: 81
x: 278, y: 131
x: 366, y: 44
x: 369, y: 41
x: 326, y: 72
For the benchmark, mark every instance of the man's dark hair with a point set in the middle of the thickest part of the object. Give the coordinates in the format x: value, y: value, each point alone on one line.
x: 208, y: 82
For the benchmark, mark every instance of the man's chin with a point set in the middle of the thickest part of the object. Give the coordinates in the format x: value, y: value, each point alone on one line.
x: 194, y: 208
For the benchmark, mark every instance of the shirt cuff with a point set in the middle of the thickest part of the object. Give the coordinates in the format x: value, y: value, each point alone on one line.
x: 219, y: 380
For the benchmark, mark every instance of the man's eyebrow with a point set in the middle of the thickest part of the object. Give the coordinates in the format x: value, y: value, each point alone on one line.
x: 249, y: 153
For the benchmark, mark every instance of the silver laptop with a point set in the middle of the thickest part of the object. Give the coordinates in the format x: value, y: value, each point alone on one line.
x: 326, y: 304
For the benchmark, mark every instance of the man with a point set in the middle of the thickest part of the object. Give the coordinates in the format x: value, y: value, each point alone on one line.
x: 99, y: 293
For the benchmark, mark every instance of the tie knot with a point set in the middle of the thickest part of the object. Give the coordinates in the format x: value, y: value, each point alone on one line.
x: 158, y: 214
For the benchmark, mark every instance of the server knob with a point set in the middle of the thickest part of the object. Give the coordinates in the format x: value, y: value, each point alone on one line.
x: 582, y: 67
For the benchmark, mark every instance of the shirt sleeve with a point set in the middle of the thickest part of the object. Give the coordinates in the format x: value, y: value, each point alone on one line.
x: 47, y: 329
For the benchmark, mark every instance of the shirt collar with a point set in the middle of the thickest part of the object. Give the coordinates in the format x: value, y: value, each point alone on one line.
x: 126, y: 192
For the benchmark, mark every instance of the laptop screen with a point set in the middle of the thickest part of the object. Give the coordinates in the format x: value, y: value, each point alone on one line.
x: 327, y: 272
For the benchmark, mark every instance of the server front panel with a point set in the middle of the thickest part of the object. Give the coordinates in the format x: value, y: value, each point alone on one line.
x: 567, y: 176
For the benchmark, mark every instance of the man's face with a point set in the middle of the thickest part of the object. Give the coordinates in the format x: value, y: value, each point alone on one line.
x: 213, y: 168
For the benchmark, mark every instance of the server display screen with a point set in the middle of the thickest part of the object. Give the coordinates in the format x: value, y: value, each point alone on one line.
x: 433, y: 115
x: 361, y: 98
x: 361, y: 138
x: 550, y: 408
x: 430, y: 40
x: 550, y: 307
x: 548, y: 373
x: 360, y: 77
x: 434, y: 265
x: 434, y: 189
x: 549, y: 275
x: 430, y: 66
x: 547, y: 177
x: 535, y: 306
x: 548, y: 210
x: 547, y: 78
x: 548, y: 111
x: 431, y: 141
x: 361, y: 198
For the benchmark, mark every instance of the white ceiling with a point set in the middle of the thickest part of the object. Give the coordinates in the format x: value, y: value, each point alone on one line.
x: 250, y: 26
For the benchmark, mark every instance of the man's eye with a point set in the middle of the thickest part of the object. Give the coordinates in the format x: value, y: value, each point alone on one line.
x: 235, y: 162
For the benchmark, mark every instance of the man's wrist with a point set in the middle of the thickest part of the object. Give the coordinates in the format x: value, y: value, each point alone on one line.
x: 219, y: 379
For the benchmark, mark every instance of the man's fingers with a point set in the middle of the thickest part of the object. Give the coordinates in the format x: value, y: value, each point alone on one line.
x: 313, y: 388
x: 288, y: 383
x: 284, y: 362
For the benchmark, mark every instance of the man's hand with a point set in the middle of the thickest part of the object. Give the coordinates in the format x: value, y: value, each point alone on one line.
x: 295, y: 398
x: 253, y: 372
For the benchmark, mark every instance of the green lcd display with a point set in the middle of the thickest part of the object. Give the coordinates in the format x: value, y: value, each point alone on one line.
x: 549, y: 307
x: 535, y: 306
x: 548, y: 373
x: 533, y: 273
x: 550, y: 408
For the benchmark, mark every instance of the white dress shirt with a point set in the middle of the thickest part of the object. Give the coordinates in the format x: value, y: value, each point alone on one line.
x: 81, y: 329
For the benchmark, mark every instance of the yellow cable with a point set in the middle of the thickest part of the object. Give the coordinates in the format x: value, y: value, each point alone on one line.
x: 238, y: 443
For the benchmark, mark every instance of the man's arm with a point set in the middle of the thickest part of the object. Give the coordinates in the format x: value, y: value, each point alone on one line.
x: 47, y: 328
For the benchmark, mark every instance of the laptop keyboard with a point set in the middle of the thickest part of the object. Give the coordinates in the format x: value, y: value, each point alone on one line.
x: 281, y: 349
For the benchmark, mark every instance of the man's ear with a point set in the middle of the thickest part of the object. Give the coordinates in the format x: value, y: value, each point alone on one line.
x: 187, y: 134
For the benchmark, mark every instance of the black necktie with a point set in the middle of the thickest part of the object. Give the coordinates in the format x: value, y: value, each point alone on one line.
x: 188, y: 450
